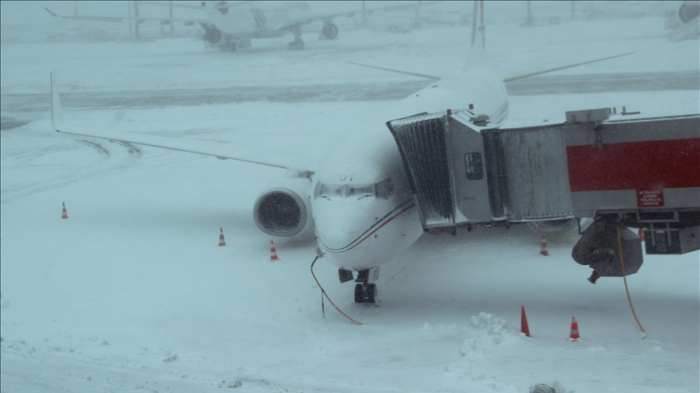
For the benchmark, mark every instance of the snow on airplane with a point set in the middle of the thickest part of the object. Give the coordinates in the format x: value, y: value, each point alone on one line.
x: 358, y: 200
x: 231, y: 25
x: 235, y: 23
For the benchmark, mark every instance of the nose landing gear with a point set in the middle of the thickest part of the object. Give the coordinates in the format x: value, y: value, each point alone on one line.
x: 365, y: 293
x: 365, y: 289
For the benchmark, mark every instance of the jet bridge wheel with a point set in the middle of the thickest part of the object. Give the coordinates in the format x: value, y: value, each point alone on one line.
x: 365, y: 293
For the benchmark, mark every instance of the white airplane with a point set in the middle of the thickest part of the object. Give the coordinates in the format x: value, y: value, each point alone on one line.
x: 231, y: 25
x: 358, y: 201
x: 235, y: 23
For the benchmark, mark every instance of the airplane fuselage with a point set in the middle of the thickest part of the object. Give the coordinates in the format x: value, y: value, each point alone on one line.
x: 256, y: 19
x: 363, y: 208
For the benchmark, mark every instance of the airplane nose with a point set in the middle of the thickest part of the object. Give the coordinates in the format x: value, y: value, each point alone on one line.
x: 341, y: 228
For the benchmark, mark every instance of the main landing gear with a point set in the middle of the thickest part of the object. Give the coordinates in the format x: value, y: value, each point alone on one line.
x: 365, y: 289
x: 297, y: 43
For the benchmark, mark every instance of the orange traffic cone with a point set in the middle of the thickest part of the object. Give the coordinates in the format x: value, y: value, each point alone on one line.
x: 64, y: 215
x: 573, y: 336
x: 641, y: 233
x: 523, y: 322
x: 273, y: 252
x: 222, y: 242
x: 543, y: 249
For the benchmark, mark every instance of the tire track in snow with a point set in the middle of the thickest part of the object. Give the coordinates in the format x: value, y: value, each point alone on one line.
x: 94, y: 145
x: 94, y: 168
x: 339, y: 92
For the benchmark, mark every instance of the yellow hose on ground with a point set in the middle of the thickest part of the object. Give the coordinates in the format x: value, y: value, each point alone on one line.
x: 326, y: 295
x: 624, y: 276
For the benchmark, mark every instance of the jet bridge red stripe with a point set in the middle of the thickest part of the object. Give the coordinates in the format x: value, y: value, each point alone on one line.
x: 651, y: 165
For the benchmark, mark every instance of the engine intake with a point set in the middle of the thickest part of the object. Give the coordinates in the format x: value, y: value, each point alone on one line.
x: 212, y: 35
x: 329, y: 31
x: 688, y: 12
x: 284, y: 210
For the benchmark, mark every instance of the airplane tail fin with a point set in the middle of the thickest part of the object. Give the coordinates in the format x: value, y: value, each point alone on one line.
x: 56, y: 113
x: 476, y: 57
x: 478, y: 23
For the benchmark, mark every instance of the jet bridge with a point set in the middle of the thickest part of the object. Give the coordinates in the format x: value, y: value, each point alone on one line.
x: 640, y: 173
x: 462, y: 172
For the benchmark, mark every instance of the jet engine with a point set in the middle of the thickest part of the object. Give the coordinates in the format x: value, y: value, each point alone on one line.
x: 330, y: 30
x: 688, y: 11
x: 284, y: 208
x: 212, y: 35
x: 554, y: 226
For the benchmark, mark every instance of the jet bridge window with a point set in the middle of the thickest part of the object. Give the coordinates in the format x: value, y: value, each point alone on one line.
x: 382, y: 189
x: 474, y: 166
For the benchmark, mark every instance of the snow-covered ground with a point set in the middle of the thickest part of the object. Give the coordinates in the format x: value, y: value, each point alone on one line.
x: 132, y: 293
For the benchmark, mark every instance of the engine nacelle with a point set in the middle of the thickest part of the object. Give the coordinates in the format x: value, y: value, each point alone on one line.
x: 212, y: 35
x: 688, y: 11
x: 284, y: 208
x: 329, y: 31
x: 554, y: 226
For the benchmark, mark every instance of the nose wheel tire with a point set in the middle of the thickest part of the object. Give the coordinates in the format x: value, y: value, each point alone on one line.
x: 365, y: 293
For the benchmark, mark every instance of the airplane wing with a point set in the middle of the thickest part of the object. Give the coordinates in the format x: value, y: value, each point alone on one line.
x: 398, y: 71
x: 527, y: 74
x: 507, y: 78
x: 119, y: 19
x: 220, y: 150
x: 173, y: 4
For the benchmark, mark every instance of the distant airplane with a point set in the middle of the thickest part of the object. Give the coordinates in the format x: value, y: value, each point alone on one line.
x: 231, y: 25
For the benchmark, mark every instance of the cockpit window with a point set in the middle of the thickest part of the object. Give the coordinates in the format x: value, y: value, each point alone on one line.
x: 382, y: 189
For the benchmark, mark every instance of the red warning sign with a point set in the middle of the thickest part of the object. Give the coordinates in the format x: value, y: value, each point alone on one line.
x: 650, y: 198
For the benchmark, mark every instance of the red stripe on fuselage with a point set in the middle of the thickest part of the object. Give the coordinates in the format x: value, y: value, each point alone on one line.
x: 344, y: 249
x: 651, y: 165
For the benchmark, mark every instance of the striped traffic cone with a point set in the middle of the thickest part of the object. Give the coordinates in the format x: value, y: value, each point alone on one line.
x: 64, y: 215
x: 641, y: 233
x: 222, y: 242
x: 543, y: 249
x: 273, y: 252
x: 574, y: 336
